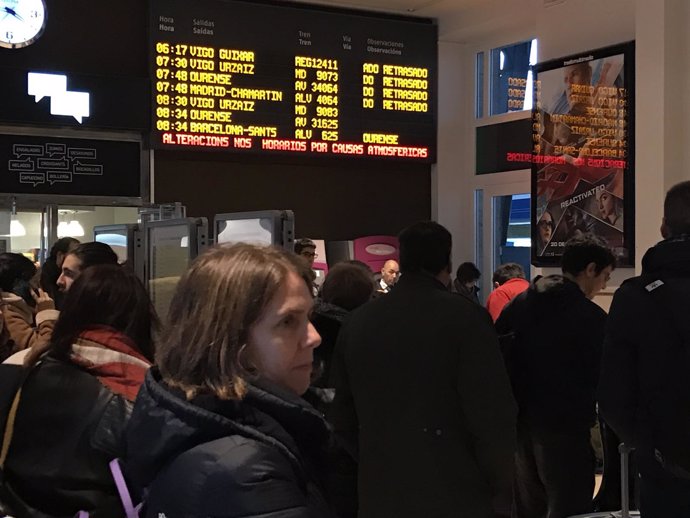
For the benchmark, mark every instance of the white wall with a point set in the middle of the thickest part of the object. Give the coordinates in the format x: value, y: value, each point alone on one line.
x: 581, y: 25
x: 452, y: 174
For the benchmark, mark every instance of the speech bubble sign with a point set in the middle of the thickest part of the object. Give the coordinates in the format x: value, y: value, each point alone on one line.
x: 32, y: 178
x: 46, y: 85
x: 20, y: 165
x: 55, y: 149
x: 81, y: 152
x: 21, y: 150
x: 74, y: 104
x: 59, y: 176
x: 88, y: 169
x: 52, y: 163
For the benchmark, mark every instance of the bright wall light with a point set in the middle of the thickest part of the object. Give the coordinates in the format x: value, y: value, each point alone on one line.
x: 63, y: 229
x: 75, y: 229
x: 16, y: 228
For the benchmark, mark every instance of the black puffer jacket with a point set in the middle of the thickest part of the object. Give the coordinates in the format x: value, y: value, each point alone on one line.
x: 552, y: 337
x: 644, y: 392
x: 263, y: 456
x: 327, y: 319
x: 68, y: 427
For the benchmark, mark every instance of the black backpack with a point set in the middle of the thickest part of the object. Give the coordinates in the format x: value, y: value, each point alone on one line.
x: 669, y: 408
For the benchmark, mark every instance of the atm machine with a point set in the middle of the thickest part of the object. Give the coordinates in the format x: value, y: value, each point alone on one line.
x: 373, y: 251
x: 170, y: 246
x: 123, y: 239
x: 265, y: 227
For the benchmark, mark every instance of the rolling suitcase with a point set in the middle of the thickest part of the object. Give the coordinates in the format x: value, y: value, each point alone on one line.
x: 625, y: 492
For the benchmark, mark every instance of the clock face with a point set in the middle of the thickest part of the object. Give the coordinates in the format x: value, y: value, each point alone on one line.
x: 21, y: 22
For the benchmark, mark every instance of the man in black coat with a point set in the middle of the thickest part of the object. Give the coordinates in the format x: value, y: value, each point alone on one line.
x: 644, y: 392
x: 552, y: 336
x: 422, y: 397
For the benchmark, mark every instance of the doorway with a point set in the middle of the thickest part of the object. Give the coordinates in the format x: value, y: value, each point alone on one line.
x: 503, y: 230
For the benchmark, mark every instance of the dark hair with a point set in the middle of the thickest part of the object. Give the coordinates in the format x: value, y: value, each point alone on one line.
x: 467, y: 272
x: 582, y: 250
x: 105, y: 295
x: 677, y: 209
x: 64, y: 245
x: 219, y: 298
x: 13, y: 268
x: 425, y: 246
x: 359, y: 263
x: 303, y: 243
x: 94, y: 253
x: 348, y: 286
x: 508, y: 271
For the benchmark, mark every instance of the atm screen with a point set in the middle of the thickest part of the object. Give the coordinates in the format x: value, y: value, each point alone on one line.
x: 254, y: 230
x: 115, y: 239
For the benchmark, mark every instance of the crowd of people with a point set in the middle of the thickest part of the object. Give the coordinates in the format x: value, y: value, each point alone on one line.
x: 387, y: 395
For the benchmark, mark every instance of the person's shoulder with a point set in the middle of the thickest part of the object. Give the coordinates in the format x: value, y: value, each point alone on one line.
x: 633, y: 290
x: 15, y: 306
x: 239, y: 467
x: 596, y: 311
x: 56, y: 378
x: 236, y: 457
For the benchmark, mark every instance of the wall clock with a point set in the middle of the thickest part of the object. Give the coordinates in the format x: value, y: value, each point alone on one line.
x: 21, y: 22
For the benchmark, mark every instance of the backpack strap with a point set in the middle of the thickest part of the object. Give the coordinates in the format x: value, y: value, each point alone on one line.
x: 9, y: 428
x: 11, y: 416
x: 131, y: 511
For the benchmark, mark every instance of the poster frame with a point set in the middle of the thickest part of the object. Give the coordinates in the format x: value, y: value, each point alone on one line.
x: 628, y: 72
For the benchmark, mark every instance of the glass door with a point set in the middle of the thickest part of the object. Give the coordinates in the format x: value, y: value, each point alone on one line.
x: 502, y: 215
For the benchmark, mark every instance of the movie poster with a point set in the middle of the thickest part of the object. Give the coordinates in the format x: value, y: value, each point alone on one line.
x: 582, y: 163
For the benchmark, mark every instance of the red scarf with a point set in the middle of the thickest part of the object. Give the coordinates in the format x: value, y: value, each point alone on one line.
x: 113, y: 358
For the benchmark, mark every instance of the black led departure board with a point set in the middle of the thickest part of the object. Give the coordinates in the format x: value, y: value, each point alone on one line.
x: 254, y: 77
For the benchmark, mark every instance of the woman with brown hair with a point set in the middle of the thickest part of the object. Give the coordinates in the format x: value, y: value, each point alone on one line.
x: 219, y: 429
x: 75, y: 402
x: 27, y: 315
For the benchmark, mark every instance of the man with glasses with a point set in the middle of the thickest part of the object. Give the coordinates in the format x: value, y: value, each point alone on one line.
x: 306, y: 248
x: 552, y: 336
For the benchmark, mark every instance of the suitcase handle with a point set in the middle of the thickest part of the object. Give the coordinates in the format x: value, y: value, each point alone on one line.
x: 625, y: 488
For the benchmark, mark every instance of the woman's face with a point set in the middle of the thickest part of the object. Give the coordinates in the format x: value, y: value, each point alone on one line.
x: 282, y: 342
x: 546, y: 227
x: 607, y: 205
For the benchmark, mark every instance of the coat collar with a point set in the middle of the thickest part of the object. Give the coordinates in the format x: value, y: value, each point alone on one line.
x: 419, y: 279
x: 267, y: 414
x: 669, y: 256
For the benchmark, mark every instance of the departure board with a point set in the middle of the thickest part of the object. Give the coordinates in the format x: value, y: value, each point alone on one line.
x: 267, y: 78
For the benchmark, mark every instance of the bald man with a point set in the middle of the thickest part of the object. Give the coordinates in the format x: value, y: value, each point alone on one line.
x: 389, y: 276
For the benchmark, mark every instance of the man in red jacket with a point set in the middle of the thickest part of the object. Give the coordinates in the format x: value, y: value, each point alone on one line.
x: 509, y: 281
